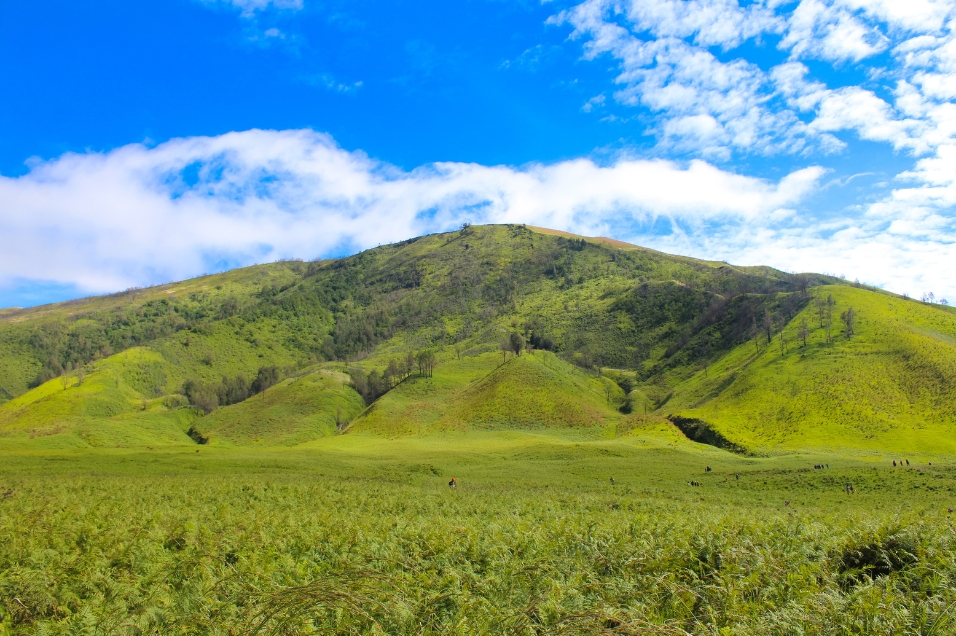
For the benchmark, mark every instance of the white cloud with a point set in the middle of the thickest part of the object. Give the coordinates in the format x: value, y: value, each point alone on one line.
x: 139, y: 215
x: 727, y: 105
x: 248, y: 8
x: 709, y: 22
x: 830, y: 31
x: 595, y: 102
x: 701, y: 102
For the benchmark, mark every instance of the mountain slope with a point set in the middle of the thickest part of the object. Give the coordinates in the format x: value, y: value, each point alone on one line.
x: 891, y: 386
x: 656, y: 321
x: 433, y: 290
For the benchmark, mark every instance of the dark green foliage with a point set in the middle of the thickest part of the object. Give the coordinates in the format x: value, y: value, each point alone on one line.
x: 209, y: 397
x: 517, y: 342
x: 625, y: 383
x: 426, y: 361
x: 627, y: 407
x: 876, y: 557
x: 540, y: 340
x: 267, y: 376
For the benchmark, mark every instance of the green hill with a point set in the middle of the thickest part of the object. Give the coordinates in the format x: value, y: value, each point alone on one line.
x: 891, y: 386
x: 198, y: 359
x: 536, y: 390
x: 294, y: 411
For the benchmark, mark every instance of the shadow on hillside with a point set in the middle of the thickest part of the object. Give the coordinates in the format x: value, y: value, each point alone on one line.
x: 700, y: 431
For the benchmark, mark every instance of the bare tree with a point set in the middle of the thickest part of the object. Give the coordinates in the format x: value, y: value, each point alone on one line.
x: 803, y: 332
x: 768, y: 325
x: 756, y: 330
x: 802, y: 283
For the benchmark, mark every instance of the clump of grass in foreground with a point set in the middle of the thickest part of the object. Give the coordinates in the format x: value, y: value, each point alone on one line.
x: 226, y: 555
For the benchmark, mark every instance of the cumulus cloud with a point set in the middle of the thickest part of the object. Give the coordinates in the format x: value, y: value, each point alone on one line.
x: 139, y: 215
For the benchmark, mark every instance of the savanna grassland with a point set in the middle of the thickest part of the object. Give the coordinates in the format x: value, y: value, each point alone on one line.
x: 269, y: 450
x: 361, y: 534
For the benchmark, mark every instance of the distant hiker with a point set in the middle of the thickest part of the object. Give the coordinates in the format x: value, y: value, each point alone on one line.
x: 828, y: 466
x: 736, y: 475
x: 612, y: 481
x: 894, y: 463
x: 907, y: 462
x: 708, y: 469
x: 453, y: 483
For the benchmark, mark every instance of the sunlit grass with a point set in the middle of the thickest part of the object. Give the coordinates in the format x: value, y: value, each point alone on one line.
x: 362, y: 535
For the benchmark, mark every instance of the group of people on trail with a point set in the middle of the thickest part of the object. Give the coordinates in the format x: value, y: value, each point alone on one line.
x: 901, y: 462
x: 849, y: 489
x: 453, y: 483
x: 820, y: 466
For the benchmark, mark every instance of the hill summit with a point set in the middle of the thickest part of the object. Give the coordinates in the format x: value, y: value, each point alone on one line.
x: 499, y: 327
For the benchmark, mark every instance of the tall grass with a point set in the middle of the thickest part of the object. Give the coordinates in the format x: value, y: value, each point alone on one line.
x: 224, y: 555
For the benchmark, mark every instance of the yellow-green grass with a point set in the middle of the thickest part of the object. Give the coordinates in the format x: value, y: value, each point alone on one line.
x: 361, y: 534
x: 530, y: 391
x: 294, y: 411
x: 891, y: 387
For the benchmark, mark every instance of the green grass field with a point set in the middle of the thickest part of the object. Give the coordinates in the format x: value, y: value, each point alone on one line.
x: 194, y: 458
x: 361, y: 534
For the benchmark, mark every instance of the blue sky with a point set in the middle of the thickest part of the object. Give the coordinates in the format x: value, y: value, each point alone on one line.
x: 152, y: 141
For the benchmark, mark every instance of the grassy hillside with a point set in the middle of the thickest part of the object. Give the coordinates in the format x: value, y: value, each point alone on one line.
x: 890, y: 386
x: 534, y: 390
x: 440, y: 289
x: 678, y: 331
x: 294, y: 411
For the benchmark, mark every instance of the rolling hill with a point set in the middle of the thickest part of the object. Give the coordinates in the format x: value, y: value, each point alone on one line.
x: 891, y: 386
x: 268, y: 355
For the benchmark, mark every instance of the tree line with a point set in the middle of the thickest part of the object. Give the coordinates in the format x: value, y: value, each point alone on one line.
x: 207, y: 397
x: 374, y: 384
